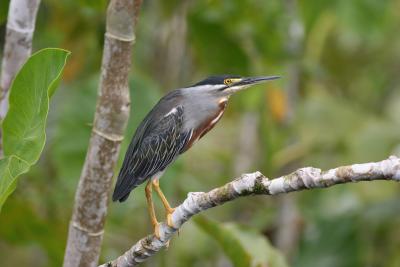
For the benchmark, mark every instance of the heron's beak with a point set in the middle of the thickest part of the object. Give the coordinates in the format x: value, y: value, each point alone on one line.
x: 249, y: 81
x: 255, y: 80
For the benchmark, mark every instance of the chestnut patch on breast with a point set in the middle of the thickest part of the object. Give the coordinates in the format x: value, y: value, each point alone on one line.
x: 208, y: 124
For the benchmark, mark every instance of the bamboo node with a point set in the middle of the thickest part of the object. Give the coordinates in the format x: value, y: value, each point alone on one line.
x: 21, y: 30
x: 110, y: 137
x: 115, y: 37
x: 84, y: 229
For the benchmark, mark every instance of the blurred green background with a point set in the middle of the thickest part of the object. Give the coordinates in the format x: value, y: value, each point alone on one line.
x: 337, y: 103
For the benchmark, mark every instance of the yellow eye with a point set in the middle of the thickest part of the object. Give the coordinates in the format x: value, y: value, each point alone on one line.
x: 228, y: 81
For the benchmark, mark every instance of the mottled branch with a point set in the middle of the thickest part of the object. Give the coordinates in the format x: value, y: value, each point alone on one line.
x: 111, y: 116
x: 256, y: 184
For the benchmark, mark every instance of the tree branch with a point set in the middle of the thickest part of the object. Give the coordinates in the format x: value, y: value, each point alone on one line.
x: 256, y: 184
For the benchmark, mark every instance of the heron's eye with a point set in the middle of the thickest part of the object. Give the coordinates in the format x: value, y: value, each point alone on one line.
x: 228, y: 81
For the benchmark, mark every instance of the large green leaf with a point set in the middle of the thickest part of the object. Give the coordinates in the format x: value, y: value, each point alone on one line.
x: 24, y: 126
x: 244, y: 247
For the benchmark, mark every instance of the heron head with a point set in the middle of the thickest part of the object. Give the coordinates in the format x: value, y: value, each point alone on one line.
x: 226, y: 85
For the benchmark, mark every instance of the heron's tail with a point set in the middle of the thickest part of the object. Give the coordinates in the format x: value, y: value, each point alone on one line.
x: 122, y: 189
x: 119, y: 198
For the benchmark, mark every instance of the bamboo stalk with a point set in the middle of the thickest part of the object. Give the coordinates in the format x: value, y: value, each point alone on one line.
x: 18, y: 46
x: 112, y: 111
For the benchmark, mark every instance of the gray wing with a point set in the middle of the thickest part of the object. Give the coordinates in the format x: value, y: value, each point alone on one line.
x: 155, y: 145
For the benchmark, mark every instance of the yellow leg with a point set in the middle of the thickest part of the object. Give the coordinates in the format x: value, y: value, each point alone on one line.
x: 150, y: 207
x: 164, y: 200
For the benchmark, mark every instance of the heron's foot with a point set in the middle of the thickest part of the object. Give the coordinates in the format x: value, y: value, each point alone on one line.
x: 169, y: 217
x: 157, y: 230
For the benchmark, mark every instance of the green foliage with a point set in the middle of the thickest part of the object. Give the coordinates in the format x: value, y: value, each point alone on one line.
x: 4, y: 10
x: 24, y: 126
x: 243, y: 246
x: 214, y: 34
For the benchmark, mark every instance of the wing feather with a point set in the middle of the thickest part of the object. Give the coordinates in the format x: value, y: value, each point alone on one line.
x: 161, y: 142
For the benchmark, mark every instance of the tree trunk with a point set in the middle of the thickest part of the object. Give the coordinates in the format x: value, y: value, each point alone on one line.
x: 111, y: 116
x: 17, y: 47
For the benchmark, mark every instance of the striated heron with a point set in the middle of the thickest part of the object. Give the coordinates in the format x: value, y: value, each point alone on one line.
x: 174, y: 124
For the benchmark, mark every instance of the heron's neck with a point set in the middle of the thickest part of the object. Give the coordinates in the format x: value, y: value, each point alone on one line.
x: 203, y: 109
